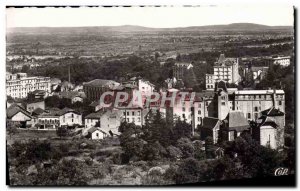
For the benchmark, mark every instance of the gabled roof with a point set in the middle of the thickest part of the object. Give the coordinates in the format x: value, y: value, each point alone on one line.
x: 58, y: 112
x: 96, y: 115
x: 184, y: 64
x: 99, y: 83
x: 66, y: 110
x: 31, y: 101
x: 93, y: 129
x: 95, y: 103
x: 272, y: 112
x: 72, y: 94
x: 210, y: 122
x: 38, y: 92
x: 236, y: 121
x: 14, y: 109
x: 266, y: 121
x: 37, y: 111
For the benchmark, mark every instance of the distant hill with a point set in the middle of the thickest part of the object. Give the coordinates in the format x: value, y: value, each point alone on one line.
x: 133, y: 28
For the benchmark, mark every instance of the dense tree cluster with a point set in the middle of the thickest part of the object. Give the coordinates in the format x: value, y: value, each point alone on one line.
x: 156, y: 139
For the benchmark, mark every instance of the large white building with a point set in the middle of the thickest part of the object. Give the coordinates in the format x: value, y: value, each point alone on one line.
x: 281, y: 60
x: 225, y: 69
x: 253, y: 102
x: 145, y: 87
x: 19, y: 85
x: 181, y: 69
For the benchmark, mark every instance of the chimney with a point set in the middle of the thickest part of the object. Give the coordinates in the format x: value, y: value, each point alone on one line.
x: 274, y: 98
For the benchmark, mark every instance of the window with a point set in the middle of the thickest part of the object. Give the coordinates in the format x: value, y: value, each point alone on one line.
x: 183, y: 116
x: 124, y: 113
x: 280, y: 103
x: 127, y: 112
x: 97, y: 134
x: 223, y: 103
x: 255, y: 108
x: 132, y: 113
x: 249, y: 115
x: 133, y: 119
x: 183, y: 109
x: 139, y: 113
x: 255, y: 115
x: 72, y: 115
x: 199, y: 112
x: 139, y: 119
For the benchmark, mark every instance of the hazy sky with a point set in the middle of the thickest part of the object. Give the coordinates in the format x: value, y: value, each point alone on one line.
x: 149, y: 16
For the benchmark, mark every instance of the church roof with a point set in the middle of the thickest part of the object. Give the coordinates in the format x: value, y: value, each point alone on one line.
x: 272, y: 112
x: 236, y: 121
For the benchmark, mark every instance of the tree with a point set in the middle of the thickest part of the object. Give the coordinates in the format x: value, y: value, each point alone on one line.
x: 188, y: 171
x: 25, y: 68
x: 209, y: 143
x: 130, y: 141
x: 11, y: 129
x: 181, y: 129
x: 157, y: 129
x: 174, y: 153
x: 62, y: 132
x: 186, y: 146
x: 257, y: 160
x: 199, y: 154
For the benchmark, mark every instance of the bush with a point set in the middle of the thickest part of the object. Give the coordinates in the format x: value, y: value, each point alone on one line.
x: 174, y: 153
x: 142, y: 164
x: 188, y: 171
x: 88, y: 161
x: 170, y: 174
x: 117, y: 158
x: 186, y: 147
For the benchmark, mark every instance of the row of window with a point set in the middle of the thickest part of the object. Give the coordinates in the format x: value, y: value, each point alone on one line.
x: 133, y: 119
x: 256, y: 96
x: 132, y: 113
x: 48, y: 121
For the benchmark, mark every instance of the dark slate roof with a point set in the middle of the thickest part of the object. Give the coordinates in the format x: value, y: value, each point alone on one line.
x: 94, y: 103
x: 221, y: 58
x: 237, y: 121
x: 99, y: 83
x: 93, y: 129
x: 96, y: 115
x: 58, y: 112
x: 38, y: 91
x: 72, y: 94
x: 14, y: 109
x: 66, y: 110
x: 30, y: 101
x: 38, y: 111
x: 266, y: 120
x: 210, y: 122
x: 272, y: 112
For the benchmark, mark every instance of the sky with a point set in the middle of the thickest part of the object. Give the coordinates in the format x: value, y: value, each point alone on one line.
x: 157, y: 17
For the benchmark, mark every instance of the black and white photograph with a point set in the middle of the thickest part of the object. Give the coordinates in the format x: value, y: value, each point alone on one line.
x: 150, y: 95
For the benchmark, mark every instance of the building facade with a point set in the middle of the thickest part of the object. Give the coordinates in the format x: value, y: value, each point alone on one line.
x: 181, y: 69
x: 19, y: 85
x: 252, y: 102
x: 225, y: 69
x: 280, y: 60
x: 95, y: 88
